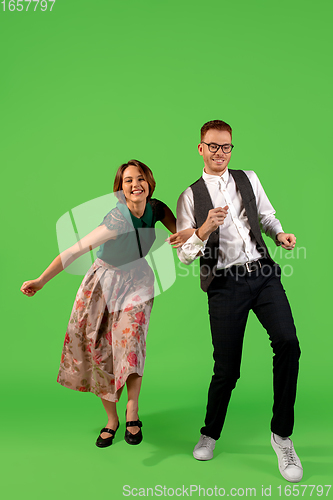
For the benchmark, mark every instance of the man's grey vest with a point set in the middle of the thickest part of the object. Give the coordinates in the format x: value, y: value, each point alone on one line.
x: 202, y: 205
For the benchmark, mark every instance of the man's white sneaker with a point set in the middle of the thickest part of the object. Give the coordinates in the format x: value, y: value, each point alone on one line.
x: 289, y: 464
x: 204, y: 449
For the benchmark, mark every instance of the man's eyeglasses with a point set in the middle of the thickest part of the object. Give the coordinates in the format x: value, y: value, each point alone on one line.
x: 213, y: 148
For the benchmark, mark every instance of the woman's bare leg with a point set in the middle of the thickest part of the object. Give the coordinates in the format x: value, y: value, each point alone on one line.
x: 111, y: 410
x: 133, y: 384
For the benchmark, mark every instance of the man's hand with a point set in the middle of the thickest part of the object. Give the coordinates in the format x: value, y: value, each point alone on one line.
x: 214, y: 219
x: 288, y: 241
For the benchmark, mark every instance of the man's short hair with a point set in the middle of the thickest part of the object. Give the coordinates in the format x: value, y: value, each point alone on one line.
x: 217, y: 125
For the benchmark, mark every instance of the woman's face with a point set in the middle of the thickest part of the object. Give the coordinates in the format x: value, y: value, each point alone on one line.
x: 135, y: 187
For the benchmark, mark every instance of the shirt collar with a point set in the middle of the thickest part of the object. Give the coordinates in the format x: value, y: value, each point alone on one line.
x: 136, y: 222
x: 216, y: 179
x: 147, y: 217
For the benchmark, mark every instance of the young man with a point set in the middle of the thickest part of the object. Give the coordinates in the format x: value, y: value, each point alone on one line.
x: 238, y: 274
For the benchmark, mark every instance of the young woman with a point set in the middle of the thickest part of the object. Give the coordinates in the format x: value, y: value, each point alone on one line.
x: 105, y: 342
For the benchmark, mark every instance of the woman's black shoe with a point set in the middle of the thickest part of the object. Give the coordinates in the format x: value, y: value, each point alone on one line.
x: 103, y: 443
x: 133, y: 438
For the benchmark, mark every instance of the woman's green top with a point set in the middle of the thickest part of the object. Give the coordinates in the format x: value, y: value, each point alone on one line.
x: 135, y: 236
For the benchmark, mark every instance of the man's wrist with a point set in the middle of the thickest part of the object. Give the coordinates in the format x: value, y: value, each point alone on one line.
x: 277, y: 241
x: 202, y: 234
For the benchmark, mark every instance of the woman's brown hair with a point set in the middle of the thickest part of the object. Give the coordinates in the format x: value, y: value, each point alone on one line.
x: 146, y: 172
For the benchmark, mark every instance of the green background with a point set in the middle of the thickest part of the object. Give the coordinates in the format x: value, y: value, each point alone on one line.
x: 89, y: 86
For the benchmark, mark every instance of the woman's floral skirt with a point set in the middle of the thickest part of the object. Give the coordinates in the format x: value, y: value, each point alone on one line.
x: 105, y: 340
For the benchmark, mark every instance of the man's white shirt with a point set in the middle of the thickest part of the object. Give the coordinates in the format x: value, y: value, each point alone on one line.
x: 235, y: 244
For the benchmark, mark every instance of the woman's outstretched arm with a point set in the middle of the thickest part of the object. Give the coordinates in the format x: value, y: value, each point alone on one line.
x: 169, y: 221
x: 97, y: 237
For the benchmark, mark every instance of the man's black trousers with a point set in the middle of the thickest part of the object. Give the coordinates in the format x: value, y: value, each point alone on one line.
x: 230, y: 297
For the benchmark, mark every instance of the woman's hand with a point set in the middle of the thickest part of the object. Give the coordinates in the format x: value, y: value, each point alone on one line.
x: 178, y: 239
x: 29, y: 288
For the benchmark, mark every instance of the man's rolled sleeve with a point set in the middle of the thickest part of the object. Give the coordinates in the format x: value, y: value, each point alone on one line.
x: 270, y: 225
x: 192, y: 249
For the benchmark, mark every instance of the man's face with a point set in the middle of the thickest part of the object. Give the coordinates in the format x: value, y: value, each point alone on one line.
x: 215, y: 163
